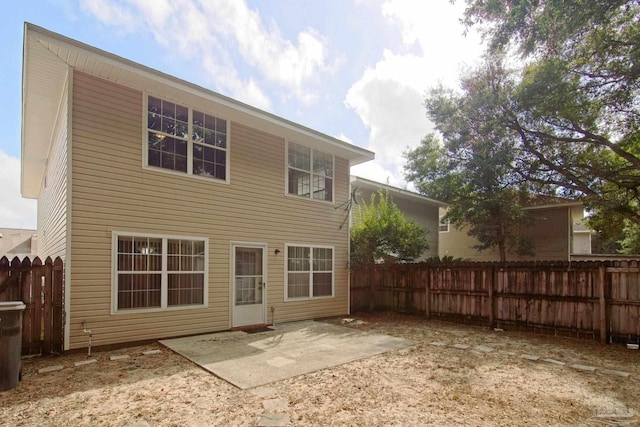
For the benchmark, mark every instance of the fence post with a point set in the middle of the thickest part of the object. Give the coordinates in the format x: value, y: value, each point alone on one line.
x: 490, y: 286
x: 29, y: 328
x: 371, y: 274
x: 427, y: 293
x: 603, y: 305
x: 57, y: 309
x: 48, y: 302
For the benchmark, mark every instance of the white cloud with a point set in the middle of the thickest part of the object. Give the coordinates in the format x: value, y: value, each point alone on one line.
x: 215, y: 31
x: 112, y: 14
x: 389, y: 97
x: 15, y: 212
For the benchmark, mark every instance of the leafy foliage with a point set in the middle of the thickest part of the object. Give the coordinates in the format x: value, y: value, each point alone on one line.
x: 475, y: 171
x: 380, y: 229
x: 567, y: 118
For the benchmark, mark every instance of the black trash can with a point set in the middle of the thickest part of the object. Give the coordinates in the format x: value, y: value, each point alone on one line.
x: 10, y: 343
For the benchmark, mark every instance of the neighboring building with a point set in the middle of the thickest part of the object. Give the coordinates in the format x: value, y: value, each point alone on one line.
x: 419, y: 209
x: 16, y: 242
x: 177, y: 210
x: 557, y: 233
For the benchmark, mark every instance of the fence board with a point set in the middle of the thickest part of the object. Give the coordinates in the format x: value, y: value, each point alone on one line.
x: 584, y: 299
x: 40, y: 287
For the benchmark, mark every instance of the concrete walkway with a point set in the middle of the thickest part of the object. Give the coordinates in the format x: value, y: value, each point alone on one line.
x: 251, y: 360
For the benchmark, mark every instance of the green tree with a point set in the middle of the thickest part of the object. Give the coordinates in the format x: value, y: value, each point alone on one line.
x: 574, y: 104
x: 381, y: 229
x: 475, y: 169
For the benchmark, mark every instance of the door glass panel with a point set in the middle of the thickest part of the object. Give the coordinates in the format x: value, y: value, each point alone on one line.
x: 248, y: 276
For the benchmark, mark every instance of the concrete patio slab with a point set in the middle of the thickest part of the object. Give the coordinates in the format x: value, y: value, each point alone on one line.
x: 251, y: 360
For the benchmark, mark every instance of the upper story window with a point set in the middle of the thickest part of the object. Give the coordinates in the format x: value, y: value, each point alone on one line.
x: 310, y: 173
x: 444, y: 225
x: 186, y: 140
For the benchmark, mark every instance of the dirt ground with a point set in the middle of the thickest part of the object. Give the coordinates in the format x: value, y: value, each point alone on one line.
x: 425, y: 384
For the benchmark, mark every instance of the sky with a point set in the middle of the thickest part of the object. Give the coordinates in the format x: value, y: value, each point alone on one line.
x: 357, y: 70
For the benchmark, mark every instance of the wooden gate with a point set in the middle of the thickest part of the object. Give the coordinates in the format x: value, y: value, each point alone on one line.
x: 41, y: 288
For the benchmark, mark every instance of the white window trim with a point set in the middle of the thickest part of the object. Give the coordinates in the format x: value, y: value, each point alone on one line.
x: 440, y: 224
x: 164, y: 288
x: 286, y: 175
x: 286, y: 272
x: 189, y: 173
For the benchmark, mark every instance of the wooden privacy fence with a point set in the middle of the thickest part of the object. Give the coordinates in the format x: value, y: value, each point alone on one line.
x: 584, y: 299
x: 41, y: 288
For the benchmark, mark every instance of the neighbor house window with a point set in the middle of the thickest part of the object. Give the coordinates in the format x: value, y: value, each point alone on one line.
x: 444, y: 225
x: 186, y: 140
x: 154, y: 272
x: 310, y: 173
x: 309, y: 272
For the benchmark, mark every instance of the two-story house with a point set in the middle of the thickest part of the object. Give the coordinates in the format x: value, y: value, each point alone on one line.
x: 556, y: 232
x: 177, y: 210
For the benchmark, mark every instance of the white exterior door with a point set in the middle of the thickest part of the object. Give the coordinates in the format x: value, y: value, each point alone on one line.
x: 249, y: 285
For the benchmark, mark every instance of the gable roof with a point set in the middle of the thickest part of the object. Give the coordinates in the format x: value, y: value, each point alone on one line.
x: 48, y: 58
x: 17, y: 242
x: 396, y: 192
x: 541, y: 201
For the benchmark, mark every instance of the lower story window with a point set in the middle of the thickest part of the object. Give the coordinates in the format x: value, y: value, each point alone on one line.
x: 155, y: 272
x: 309, y: 272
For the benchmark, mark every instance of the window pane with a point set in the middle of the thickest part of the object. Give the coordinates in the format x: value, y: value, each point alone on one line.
x: 209, y: 161
x: 181, y: 164
x: 154, y: 121
x: 154, y: 158
x: 182, y: 113
x: 322, y: 163
x: 198, y: 134
x: 221, y: 140
x: 154, y: 105
x: 298, y: 285
x: 198, y: 118
x: 168, y: 109
x: 185, y: 289
x: 167, y: 153
x: 219, y: 172
x: 321, y: 284
x: 221, y: 126
x: 209, y: 137
x: 248, y: 261
x: 173, y: 263
x: 168, y: 125
x: 248, y: 290
x: 298, y: 258
x: 299, y: 183
x: 322, y: 188
x: 210, y: 122
x: 181, y: 129
x: 209, y: 154
x: 138, y: 290
x: 154, y: 245
x: 322, y: 259
x: 299, y: 156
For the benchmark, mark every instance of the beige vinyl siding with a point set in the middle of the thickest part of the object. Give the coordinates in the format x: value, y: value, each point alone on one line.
x: 52, y: 202
x: 549, y: 233
x: 113, y: 192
